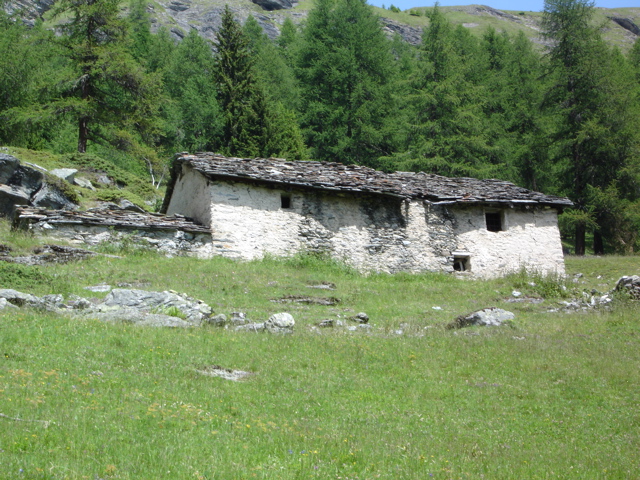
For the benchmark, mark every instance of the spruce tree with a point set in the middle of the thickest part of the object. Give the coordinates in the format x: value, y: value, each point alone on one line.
x: 240, y: 98
x: 249, y: 115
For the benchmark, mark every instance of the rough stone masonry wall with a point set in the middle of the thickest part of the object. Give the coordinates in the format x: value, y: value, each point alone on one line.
x: 530, y: 239
x: 368, y: 232
x: 169, y: 242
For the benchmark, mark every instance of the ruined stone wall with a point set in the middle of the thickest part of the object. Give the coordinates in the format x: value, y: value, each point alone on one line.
x: 169, y: 242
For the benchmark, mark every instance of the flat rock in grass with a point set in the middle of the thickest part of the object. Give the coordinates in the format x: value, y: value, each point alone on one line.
x: 328, y: 301
x: 194, y: 311
x: 136, y: 317
x: 98, y: 288
x: 324, y: 286
x: 489, y: 317
x: 4, y: 303
x: 66, y: 174
x: 251, y: 327
x: 280, y: 323
x: 219, y: 320
x: 20, y: 299
x: 84, y: 183
x: 360, y: 318
x: 226, y: 373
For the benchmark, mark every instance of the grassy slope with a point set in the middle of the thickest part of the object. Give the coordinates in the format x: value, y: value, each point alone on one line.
x: 528, y: 22
x: 553, y: 396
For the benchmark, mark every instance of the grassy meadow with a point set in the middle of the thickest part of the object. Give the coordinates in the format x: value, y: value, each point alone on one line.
x: 553, y: 395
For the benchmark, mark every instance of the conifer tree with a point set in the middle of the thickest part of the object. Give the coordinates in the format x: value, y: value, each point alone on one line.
x: 249, y: 116
x: 241, y: 100
x: 107, y: 92
x: 595, y: 109
x: 345, y: 70
x: 446, y: 133
x: 189, y: 80
x: 140, y: 28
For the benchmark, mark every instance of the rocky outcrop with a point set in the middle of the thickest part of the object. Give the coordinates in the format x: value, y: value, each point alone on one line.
x: 270, y: 5
x: 409, y: 34
x: 627, y: 24
x: 22, y: 185
x: 143, y: 308
x: 630, y: 285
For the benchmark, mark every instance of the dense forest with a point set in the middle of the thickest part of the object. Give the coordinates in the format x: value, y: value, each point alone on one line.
x: 563, y: 121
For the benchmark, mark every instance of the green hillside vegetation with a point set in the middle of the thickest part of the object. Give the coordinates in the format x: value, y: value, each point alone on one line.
x: 480, y: 101
x: 548, y: 394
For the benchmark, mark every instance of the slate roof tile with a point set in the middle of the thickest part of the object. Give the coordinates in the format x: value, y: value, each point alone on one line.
x: 354, y: 178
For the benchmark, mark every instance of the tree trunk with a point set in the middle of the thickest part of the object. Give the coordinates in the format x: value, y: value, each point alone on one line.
x: 83, y: 134
x: 598, y: 243
x: 580, y: 240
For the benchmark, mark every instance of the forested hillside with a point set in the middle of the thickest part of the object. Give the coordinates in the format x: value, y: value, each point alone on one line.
x: 564, y: 120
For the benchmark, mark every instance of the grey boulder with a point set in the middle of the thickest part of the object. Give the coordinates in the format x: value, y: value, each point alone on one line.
x: 488, y: 317
x: 280, y: 323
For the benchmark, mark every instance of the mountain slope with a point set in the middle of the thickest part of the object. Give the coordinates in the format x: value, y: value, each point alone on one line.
x: 620, y: 25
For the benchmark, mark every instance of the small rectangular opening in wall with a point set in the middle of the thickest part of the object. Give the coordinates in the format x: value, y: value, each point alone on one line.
x: 462, y: 263
x: 285, y: 201
x: 494, y: 221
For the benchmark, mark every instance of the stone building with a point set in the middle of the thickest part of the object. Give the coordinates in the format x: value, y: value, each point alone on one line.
x: 372, y: 220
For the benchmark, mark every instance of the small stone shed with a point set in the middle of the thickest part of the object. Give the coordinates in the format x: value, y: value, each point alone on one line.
x: 372, y: 220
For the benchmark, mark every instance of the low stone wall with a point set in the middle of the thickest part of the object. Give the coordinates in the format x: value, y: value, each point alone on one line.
x: 118, y: 228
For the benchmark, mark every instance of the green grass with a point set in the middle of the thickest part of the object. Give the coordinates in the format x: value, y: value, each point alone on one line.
x: 551, y: 396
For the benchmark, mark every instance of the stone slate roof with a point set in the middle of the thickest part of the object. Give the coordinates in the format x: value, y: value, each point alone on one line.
x: 353, y: 178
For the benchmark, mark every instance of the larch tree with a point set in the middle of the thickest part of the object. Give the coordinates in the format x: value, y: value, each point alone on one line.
x: 345, y: 70
x: 595, y: 112
x: 107, y: 92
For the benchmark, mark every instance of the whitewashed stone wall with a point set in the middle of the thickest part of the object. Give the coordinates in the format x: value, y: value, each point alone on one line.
x: 530, y: 239
x: 370, y: 233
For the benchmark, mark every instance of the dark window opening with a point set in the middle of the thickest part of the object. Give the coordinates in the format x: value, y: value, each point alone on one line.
x: 494, y: 221
x: 285, y: 201
x: 462, y: 263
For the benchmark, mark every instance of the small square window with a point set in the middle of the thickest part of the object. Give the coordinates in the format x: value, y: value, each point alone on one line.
x: 285, y: 201
x: 494, y: 221
x: 462, y: 263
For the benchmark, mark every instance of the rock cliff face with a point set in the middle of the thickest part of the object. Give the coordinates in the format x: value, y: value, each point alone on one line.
x: 181, y: 16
